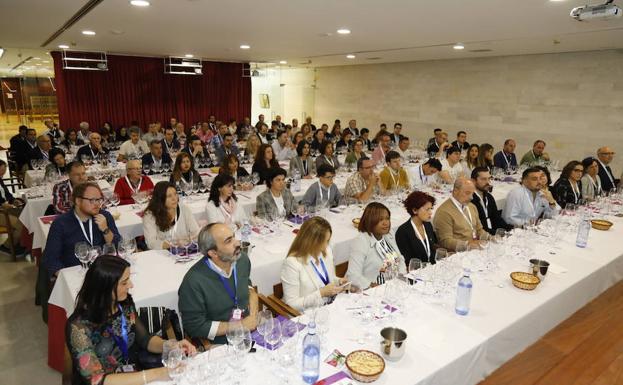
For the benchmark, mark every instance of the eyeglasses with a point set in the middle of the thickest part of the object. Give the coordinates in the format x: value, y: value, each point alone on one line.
x: 328, y: 176
x: 93, y: 201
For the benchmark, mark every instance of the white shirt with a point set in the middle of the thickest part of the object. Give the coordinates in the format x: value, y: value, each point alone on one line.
x: 282, y: 152
x: 279, y: 203
x: 128, y: 148
x: 454, y: 171
x: 418, y: 178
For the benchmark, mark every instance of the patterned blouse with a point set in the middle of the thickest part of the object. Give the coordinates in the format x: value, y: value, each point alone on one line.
x: 93, y: 348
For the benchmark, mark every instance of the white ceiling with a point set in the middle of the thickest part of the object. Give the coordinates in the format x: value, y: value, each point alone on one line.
x: 296, y: 30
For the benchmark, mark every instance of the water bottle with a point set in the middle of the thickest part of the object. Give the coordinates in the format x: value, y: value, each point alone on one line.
x: 245, y: 232
x: 463, y: 294
x: 311, y: 355
x: 297, y: 180
x: 583, y: 229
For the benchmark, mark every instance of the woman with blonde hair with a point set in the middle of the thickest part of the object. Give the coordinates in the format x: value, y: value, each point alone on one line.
x: 308, y: 272
x: 253, y: 143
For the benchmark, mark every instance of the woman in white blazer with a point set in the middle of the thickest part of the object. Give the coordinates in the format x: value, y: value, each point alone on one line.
x: 374, y: 251
x: 308, y: 273
x: 223, y: 206
x: 165, y: 219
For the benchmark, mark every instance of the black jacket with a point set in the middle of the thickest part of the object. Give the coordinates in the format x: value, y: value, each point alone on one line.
x: 411, y: 247
x: 166, y: 158
x: 497, y: 222
x: 563, y: 192
x: 606, y: 183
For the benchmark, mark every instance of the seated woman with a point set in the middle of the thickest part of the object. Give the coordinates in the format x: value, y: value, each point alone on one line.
x: 264, y: 163
x: 345, y: 142
x: 416, y: 238
x: 223, y: 205
x: 56, y: 168
x: 71, y: 139
x: 471, y: 159
x: 132, y: 182
x: 104, y: 334
x: 568, y: 188
x: 253, y: 144
x: 122, y: 134
x: 298, y: 138
x: 318, y: 139
x: 165, y: 219
x: 184, y: 172
x: 591, y: 183
x: 326, y: 156
x: 231, y: 166
x: 277, y: 199
x: 374, y: 253
x: 303, y: 161
x: 308, y: 273
x: 485, y: 156
x: 356, y: 153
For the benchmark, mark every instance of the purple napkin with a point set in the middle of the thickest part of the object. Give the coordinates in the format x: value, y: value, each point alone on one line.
x: 299, y: 220
x: 259, y: 339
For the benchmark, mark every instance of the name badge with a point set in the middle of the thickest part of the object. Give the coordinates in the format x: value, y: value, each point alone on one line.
x: 127, y: 369
x: 236, y: 314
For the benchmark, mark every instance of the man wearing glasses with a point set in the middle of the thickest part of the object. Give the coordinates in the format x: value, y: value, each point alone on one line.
x: 87, y: 222
x: 364, y: 182
x: 604, y: 157
x: 324, y: 192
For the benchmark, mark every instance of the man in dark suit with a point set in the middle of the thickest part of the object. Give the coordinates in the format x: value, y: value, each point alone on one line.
x: 170, y: 142
x: 156, y: 155
x: 488, y: 212
x: 461, y: 141
x: 604, y: 157
x: 352, y: 127
x: 279, y: 123
x: 396, y: 136
x: 20, y: 148
x: 506, y: 158
x: 41, y: 150
x: 244, y: 128
x: 227, y: 148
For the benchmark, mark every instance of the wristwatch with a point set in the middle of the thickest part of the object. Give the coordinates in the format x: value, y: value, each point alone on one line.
x: 106, y: 231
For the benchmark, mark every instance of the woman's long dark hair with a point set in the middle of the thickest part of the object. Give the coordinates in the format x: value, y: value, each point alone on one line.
x: 482, y: 161
x: 98, y: 293
x: 261, y: 162
x: 157, y: 205
x: 177, y: 172
x: 568, y: 169
x: 228, y: 160
x: 218, y: 182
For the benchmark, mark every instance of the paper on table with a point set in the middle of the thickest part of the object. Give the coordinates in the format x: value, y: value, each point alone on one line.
x: 557, y: 269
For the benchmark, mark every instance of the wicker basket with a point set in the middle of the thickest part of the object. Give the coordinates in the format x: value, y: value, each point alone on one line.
x: 525, y: 281
x: 601, y: 224
x: 368, y: 377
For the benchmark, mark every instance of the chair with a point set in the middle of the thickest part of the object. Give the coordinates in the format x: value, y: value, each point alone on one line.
x: 8, y: 230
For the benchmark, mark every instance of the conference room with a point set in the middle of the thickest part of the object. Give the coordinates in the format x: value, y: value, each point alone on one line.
x: 327, y: 192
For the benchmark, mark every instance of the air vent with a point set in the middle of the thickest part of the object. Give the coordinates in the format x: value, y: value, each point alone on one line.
x: 182, y: 66
x: 373, y: 58
x: 481, y: 50
x: 84, y: 60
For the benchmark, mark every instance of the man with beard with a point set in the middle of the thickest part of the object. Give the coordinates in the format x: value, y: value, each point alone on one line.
x: 485, y: 203
x: 530, y: 200
x: 217, y: 289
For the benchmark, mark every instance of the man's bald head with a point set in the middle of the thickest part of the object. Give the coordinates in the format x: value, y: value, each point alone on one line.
x: 463, y: 190
x: 605, y: 154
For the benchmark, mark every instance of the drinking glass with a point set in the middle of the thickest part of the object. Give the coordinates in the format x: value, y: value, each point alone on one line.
x: 81, y: 249
x: 414, y: 265
x: 94, y: 252
x: 146, y: 168
x: 441, y: 254
x: 273, y: 336
x: 109, y: 249
x: 235, y: 332
x: 264, y: 323
x: 175, y: 364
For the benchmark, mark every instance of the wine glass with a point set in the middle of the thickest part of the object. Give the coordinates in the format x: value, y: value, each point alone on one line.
x: 235, y: 332
x: 94, y: 252
x: 175, y: 364
x: 414, y: 265
x: 146, y: 168
x: 441, y: 254
x: 81, y: 250
x: 264, y: 322
x: 109, y: 249
x: 273, y: 336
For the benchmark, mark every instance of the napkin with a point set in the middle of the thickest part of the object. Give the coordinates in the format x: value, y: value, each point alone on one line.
x: 259, y: 339
x: 557, y: 269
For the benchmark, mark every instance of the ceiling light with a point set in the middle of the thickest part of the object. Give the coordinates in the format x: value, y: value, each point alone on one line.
x: 46, y: 61
x: 283, y: 62
x: 140, y: 3
x: 188, y: 55
x: 63, y: 46
x: 88, y: 33
x: 350, y: 56
x: 458, y: 46
x: 37, y: 58
x: 245, y: 46
x: 343, y: 31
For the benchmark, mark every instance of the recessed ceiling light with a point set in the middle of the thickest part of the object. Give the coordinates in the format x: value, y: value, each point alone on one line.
x: 63, y: 46
x: 140, y: 3
x: 38, y: 64
x: 46, y: 61
x: 245, y: 46
x: 458, y: 46
x: 88, y: 33
x: 350, y: 56
x: 343, y: 31
x: 188, y: 55
x: 37, y: 58
x: 283, y: 62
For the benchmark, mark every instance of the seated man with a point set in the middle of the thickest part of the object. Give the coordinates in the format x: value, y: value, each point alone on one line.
x: 41, y: 150
x: 451, y: 167
x: 403, y: 148
x: 396, y: 136
x: 424, y: 174
x: 394, y: 176
x: 62, y: 192
x: 156, y: 156
x: 378, y: 155
x: 461, y: 141
x: 153, y: 133
x: 530, y: 200
x: 490, y: 216
x: 506, y: 158
x: 135, y: 147
x: 605, y: 155
x: 132, y: 183
x: 535, y: 156
x: 93, y: 149
x: 217, y: 288
x: 456, y: 221
x: 84, y: 134
x: 227, y: 148
x: 196, y: 150
x: 87, y: 222
x: 439, y: 144
x: 283, y: 147
x: 364, y: 183
x: 169, y: 143
x: 324, y: 192
x: 218, y: 139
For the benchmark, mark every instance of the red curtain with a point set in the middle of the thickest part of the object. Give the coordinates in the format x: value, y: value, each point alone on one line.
x: 137, y: 89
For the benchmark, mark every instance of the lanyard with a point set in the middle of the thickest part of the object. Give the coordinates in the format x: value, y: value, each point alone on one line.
x: 391, y: 173
x: 84, y: 232
x: 468, y: 220
x: 424, y: 240
x: 304, y: 162
x: 423, y: 178
x: 330, y: 161
x: 324, y: 278
x: 167, y: 145
x: 92, y: 153
x: 596, y: 189
x: 138, y: 188
x: 606, y: 170
x: 483, y: 202
x: 184, y: 179
x: 506, y: 159
x: 122, y: 342
x: 44, y: 154
x: 328, y: 192
x: 385, y: 251
x: 157, y: 163
x: 575, y: 193
x: 233, y: 294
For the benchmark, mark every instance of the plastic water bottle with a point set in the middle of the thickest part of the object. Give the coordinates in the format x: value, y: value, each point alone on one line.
x: 245, y: 232
x: 311, y: 355
x: 463, y: 294
x: 584, y: 227
x: 297, y: 180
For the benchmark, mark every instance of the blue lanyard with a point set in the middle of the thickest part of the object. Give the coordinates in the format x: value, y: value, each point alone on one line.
x: 122, y: 342
x: 325, y: 278
x: 232, y: 293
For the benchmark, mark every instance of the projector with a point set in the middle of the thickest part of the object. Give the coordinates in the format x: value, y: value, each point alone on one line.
x: 596, y: 12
